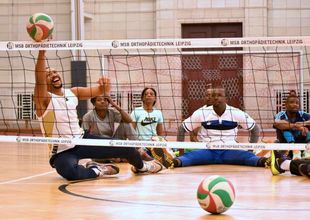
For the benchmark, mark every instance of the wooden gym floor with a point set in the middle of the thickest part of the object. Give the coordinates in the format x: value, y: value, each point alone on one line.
x: 30, y: 189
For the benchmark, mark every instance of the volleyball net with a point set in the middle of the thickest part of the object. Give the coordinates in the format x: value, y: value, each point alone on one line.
x: 257, y: 74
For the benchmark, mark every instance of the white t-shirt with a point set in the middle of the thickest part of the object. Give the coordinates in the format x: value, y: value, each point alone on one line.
x: 218, y: 129
x: 146, y: 122
x: 60, y: 118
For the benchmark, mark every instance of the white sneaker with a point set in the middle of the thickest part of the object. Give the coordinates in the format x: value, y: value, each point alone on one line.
x: 104, y: 169
x: 151, y: 167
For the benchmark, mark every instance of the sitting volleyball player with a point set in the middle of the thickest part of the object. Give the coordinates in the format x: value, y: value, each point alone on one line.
x: 56, y: 111
x: 106, y: 122
x: 148, y: 123
x: 292, y: 125
x: 219, y: 125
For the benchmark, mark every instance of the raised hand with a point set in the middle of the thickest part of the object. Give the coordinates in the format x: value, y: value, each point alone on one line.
x: 104, y: 83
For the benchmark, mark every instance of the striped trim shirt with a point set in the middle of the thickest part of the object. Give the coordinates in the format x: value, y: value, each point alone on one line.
x: 218, y: 129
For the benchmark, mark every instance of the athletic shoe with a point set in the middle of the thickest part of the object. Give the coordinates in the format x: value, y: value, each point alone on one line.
x: 104, y: 169
x: 284, y: 156
x: 304, y: 169
x: 177, y: 162
x: 144, y: 155
x: 150, y: 167
x: 164, y: 156
x: 276, y: 161
x: 268, y: 162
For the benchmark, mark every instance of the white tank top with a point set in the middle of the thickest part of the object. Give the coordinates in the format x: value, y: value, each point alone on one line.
x: 60, y: 118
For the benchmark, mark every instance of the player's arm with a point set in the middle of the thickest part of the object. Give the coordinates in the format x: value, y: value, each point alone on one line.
x: 181, y: 133
x: 86, y: 122
x: 193, y: 135
x: 306, y: 122
x: 160, y: 129
x: 125, y: 116
x: 160, y: 125
x: 103, y: 88
x: 254, y: 134
x: 134, y: 120
x: 41, y: 95
x: 247, y: 122
x: 284, y: 125
x: 134, y: 125
x: 189, y: 124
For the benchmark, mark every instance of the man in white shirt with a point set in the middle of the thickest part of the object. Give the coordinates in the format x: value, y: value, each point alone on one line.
x: 219, y: 125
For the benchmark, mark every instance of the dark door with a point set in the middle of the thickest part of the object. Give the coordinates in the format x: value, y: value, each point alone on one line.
x: 200, y: 71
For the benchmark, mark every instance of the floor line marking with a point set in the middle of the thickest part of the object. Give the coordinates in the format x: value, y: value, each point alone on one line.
x: 26, y: 178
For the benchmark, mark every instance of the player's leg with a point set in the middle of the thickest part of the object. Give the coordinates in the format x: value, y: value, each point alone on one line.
x: 300, y: 167
x: 304, y: 169
x: 100, y: 152
x: 197, y: 157
x: 241, y: 157
x: 129, y: 153
x: 289, y: 136
x: 126, y: 131
x: 66, y: 165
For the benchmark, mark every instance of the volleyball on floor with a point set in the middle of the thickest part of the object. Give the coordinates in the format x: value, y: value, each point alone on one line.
x: 40, y: 26
x: 215, y: 194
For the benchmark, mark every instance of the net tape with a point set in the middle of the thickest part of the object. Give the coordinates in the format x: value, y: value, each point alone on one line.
x: 153, y: 144
x: 158, y: 43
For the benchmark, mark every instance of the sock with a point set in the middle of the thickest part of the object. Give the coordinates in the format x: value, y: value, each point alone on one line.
x: 285, y: 165
x: 261, y: 162
x: 177, y: 162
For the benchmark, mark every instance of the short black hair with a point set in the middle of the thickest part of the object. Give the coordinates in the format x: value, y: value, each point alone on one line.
x: 144, y: 91
x: 93, y: 100
x: 291, y: 96
x: 292, y: 92
x: 220, y: 88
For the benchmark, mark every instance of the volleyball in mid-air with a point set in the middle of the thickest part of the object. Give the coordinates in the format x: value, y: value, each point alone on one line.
x: 215, y: 194
x: 40, y: 26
